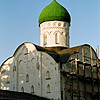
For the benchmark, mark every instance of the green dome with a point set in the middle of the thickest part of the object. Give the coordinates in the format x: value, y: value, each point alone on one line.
x: 54, y: 12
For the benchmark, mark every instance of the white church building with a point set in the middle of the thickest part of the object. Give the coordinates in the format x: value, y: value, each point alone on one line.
x: 53, y: 69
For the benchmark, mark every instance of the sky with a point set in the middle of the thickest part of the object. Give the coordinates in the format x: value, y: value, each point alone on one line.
x: 19, y: 23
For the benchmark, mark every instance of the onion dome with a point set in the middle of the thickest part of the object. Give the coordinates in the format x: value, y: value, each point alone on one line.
x: 54, y: 12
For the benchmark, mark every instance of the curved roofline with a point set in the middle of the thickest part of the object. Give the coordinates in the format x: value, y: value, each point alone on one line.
x: 5, y: 61
x: 20, y: 47
x: 54, y: 52
x: 51, y: 53
x: 91, y: 48
x: 14, y: 53
x: 70, y: 51
x: 17, y: 49
x: 88, y: 46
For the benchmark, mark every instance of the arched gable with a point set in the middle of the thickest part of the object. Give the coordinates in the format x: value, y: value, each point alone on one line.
x: 24, y: 48
x: 5, y: 74
x: 90, y: 48
x: 6, y: 63
x: 76, y: 52
x: 81, y: 58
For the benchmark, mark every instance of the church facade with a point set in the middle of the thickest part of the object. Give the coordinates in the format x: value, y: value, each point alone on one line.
x: 53, y: 69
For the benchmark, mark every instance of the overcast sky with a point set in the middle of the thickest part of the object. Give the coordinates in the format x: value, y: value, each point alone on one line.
x: 19, y: 23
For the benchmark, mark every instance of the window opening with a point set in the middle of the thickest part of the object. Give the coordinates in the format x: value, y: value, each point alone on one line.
x: 57, y: 38
x: 22, y: 89
x: 45, y: 39
x: 32, y: 89
x: 27, y: 78
x: 14, y: 68
x: 48, y: 75
x: 48, y: 88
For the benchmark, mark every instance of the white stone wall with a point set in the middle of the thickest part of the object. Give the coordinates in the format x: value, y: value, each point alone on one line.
x: 54, y: 33
x: 38, y: 73
x: 26, y: 76
x: 5, y: 74
x: 52, y: 78
x: 28, y: 73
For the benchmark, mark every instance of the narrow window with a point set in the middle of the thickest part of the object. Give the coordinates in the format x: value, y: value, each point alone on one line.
x: 14, y: 68
x: 8, y: 80
x: 48, y: 75
x: 37, y: 65
x: 22, y: 89
x: 57, y: 38
x: 48, y: 88
x: 13, y: 87
x: 27, y: 78
x: 45, y: 39
x: 26, y: 51
x: 67, y: 39
x: 38, y: 85
x: 32, y: 89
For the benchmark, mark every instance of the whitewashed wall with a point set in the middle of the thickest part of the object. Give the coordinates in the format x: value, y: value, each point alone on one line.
x: 27, y: 61
x: 54, y: 33
x: 53, y: 79
x: 5, y: 74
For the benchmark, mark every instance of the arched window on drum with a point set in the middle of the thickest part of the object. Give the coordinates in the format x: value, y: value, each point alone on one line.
x: 45, y: 39
x: 57, y: 37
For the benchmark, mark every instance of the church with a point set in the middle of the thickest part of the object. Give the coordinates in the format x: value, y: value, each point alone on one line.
x: 54, y: 69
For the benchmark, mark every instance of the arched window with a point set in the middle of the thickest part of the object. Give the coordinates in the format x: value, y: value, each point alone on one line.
x: 32, y: 89
x: 48, y: 75
x: 45, y: 39
x: 13, y: 87
x: 26, y: 51
x: 14, y: 68
x: 38, y: 66
x: 57, y: 38
x: 67, y: 39
x: 48, y: 88
x: 27, y: 78
x: 8, y: 79
x: 22, y: 89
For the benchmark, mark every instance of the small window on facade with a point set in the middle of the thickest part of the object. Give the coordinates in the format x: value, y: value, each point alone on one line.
x: 14, y: 68
x: 13, y: 87
x: 22, y: 89
x: 45, y: 39
x: 37, y: 65
x: 38, y: 85
x: 55, y: 68
x: 48, y: 75
x: 27, y: 78
x: 57, y: 38
x: 32, y: 89
x: 8, y: 80
x: 48, y: 88
x: 26, y: 51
